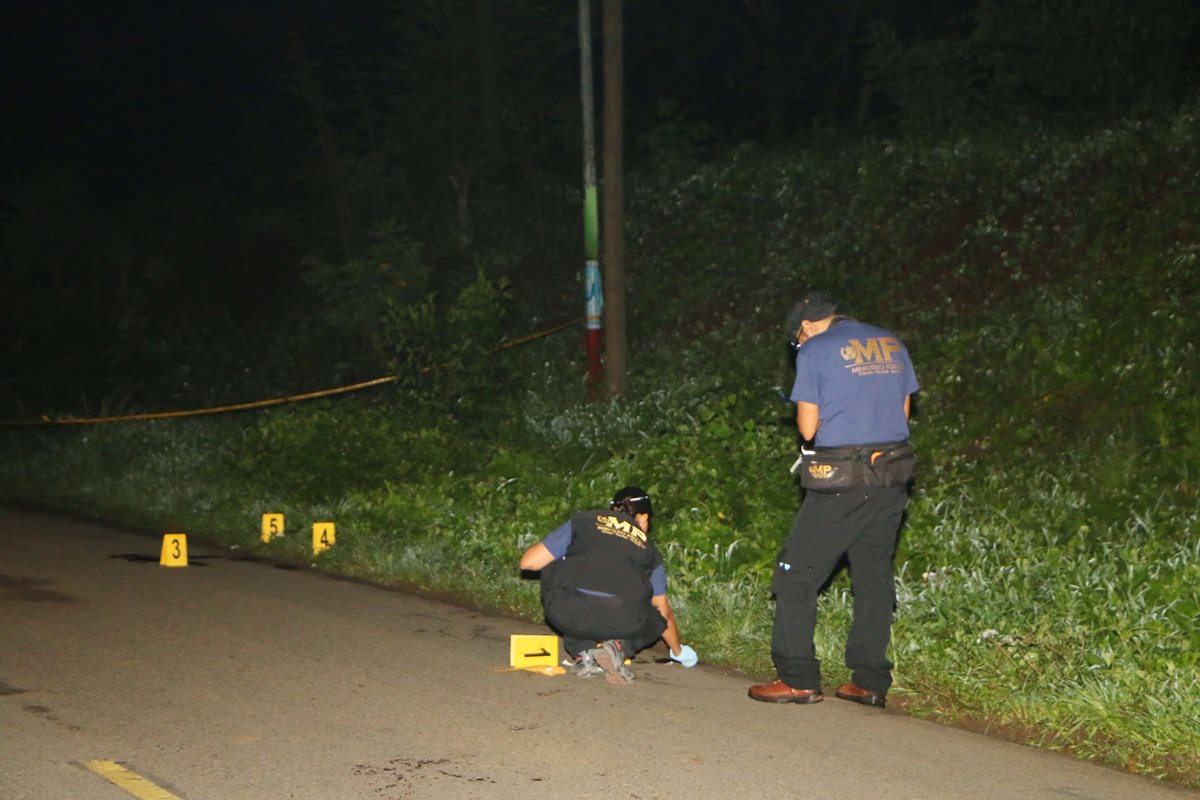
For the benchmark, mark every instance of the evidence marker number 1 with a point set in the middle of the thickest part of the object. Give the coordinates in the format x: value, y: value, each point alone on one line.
x: 532, y: 650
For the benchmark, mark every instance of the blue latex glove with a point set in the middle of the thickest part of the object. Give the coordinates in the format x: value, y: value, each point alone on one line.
x: 687, y: 656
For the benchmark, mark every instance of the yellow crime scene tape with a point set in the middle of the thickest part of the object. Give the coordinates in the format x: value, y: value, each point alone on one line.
x: 274, y: 401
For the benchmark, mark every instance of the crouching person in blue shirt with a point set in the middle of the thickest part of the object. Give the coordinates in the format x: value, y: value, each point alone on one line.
x: 604, y: 589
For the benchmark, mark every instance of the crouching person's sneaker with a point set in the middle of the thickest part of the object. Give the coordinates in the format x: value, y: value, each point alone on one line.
x: 779, y: 692
x: 585, y: 665
x: 611, y: 659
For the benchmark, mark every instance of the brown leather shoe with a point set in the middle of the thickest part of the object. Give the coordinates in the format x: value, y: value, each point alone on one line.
x: 857, y: 694
x: 779, y: 692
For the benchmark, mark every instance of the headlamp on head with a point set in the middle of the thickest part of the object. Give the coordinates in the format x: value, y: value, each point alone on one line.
x: 631, y: 500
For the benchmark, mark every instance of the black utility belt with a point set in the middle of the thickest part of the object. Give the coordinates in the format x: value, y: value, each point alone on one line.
x: 833, y: 469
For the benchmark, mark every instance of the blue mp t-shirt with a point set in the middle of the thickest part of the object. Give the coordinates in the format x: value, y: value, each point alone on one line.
x: 858, y: 376
x: 559, y: 539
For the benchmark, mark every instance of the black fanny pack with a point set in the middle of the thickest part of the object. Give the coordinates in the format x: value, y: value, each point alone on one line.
x: 833, y: 469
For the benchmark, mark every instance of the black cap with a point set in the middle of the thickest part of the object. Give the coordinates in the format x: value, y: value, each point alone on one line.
x: 631, y: 500
x: 816, y: 305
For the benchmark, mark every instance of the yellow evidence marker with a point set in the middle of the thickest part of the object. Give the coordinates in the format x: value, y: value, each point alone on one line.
x: 174, y: 550
x: 324, y: 536
x: 272, y: 526
x: 526, y: 650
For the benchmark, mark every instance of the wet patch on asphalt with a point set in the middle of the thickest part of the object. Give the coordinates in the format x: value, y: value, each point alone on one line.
x: 45, y: 713
x: 142, y: 558
x: 425, y: 777
x: 14, y: 587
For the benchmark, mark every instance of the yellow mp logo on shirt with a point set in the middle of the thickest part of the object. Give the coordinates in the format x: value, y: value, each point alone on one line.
x: 876, y: 350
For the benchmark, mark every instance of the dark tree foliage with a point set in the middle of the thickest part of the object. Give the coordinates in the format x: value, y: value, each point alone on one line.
x: 1090, y: 58
x: 1077, y: 61
x: 172, y: 170
x: 443, y: 103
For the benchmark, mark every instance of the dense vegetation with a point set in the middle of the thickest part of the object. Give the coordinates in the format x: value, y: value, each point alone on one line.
x: 165, y: 171
x: 1045, y: 284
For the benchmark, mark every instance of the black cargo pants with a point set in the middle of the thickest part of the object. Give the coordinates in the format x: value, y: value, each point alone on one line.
x: 862, y: 524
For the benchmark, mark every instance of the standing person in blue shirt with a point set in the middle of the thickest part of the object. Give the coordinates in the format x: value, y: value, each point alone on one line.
x: 604, y: 588
x: 853, y: 392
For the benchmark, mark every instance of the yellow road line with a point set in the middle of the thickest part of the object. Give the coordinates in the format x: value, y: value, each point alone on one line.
x: 130, y: 781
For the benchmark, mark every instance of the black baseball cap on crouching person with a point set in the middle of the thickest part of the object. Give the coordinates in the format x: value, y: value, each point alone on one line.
x: 817, y: 304
x: 631, y: 500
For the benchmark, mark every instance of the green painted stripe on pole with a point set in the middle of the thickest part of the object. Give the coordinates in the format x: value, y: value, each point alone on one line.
x: 591, y: 224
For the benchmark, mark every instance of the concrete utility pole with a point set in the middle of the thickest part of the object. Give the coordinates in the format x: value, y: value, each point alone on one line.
x: 614, y: 197
x: 592, y: 290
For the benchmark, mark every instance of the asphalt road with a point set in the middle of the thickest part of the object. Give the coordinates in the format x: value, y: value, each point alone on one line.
x: 233, y: 678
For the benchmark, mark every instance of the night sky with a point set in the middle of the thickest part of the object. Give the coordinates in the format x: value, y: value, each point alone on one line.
x: 141, y: 94
x: 137, y: 94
